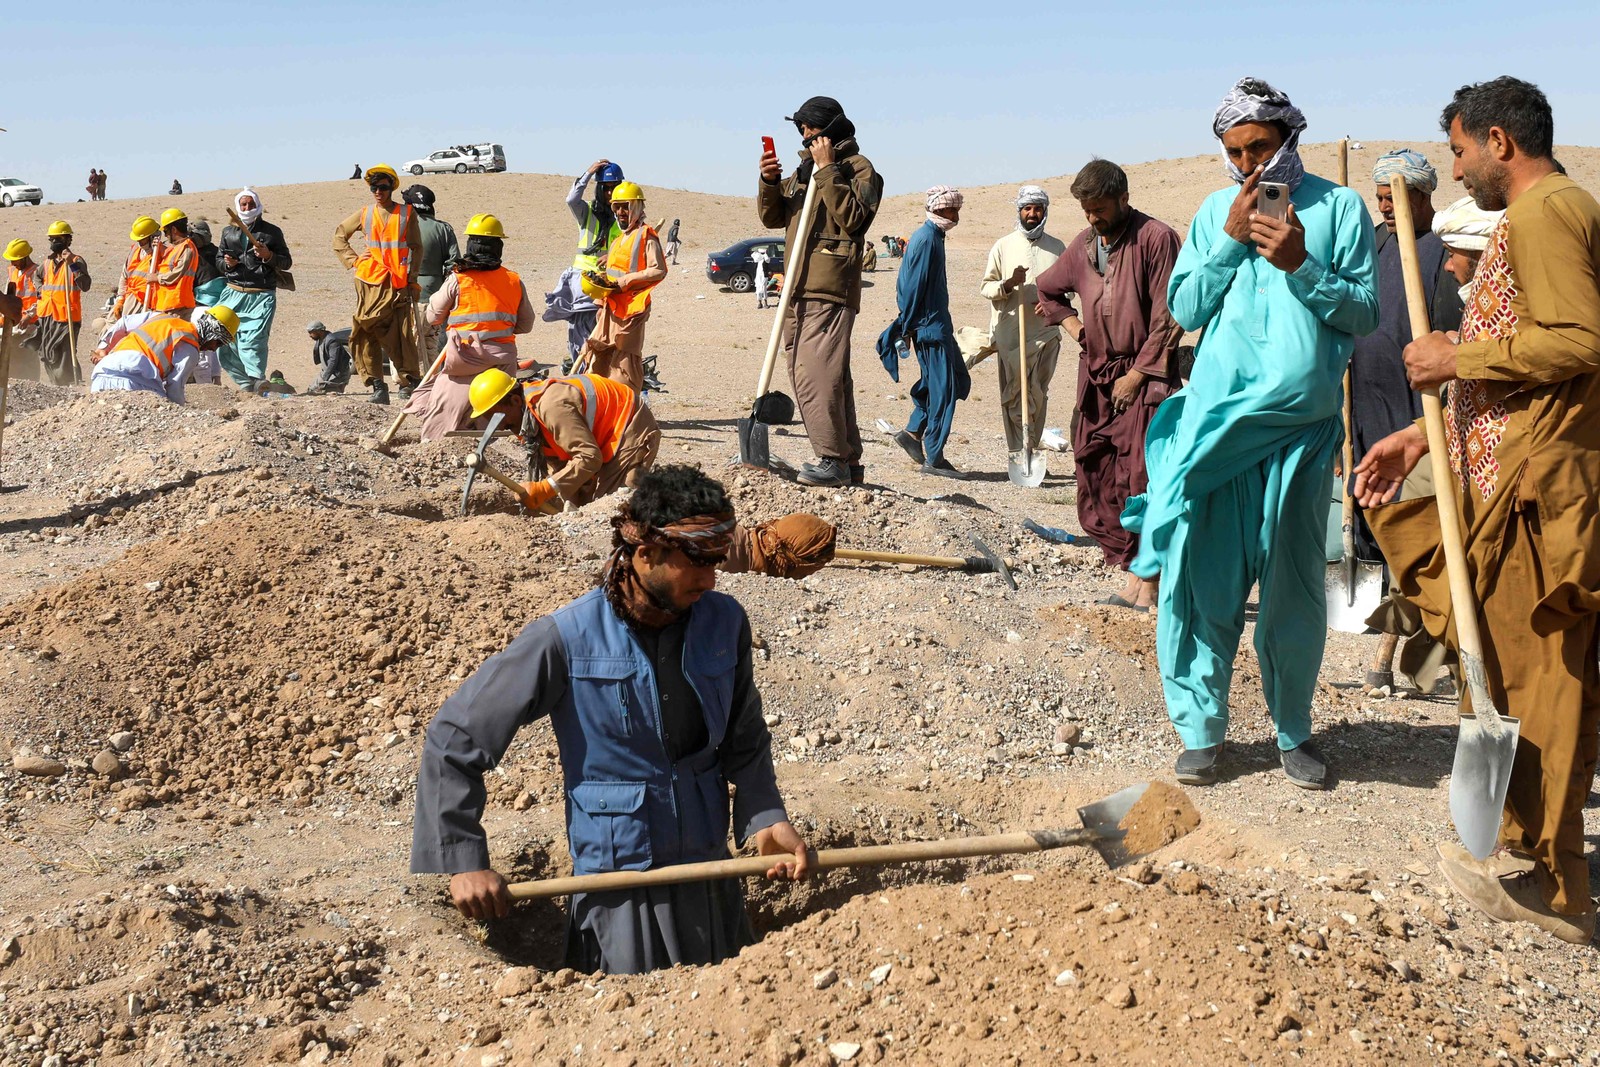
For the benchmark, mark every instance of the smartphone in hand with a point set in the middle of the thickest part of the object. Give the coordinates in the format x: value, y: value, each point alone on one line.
x: 1272, y: 200
x: 768, y: 146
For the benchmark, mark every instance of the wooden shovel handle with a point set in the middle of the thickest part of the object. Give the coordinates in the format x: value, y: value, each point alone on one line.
x: 394, y: 427
x: 793, y: 262
x: 950, y: 562
x: 1463, y: 603
x: 248, y: 236
x: 825, y: 860
x: 485, y: 467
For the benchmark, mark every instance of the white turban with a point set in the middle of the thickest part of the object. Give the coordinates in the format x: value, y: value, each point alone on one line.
x: 248, y: 217
x: 1465, y: 226
x: 1032, y: 194
x: 1411, y: 165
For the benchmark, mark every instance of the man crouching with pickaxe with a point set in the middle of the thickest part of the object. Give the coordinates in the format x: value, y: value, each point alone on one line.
x: 649, y: 685
x: 595, y: 435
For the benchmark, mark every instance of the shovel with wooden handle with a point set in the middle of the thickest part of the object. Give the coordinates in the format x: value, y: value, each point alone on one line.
x: 1030, y: 469
x: 1100, y: 830
x: 394, y: 427
x: 1487, y: 743
x: 753, y: 444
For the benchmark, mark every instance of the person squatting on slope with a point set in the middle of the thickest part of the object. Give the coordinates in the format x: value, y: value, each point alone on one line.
x: 1239, y: 459
x: 827, y: 285
x: 649, y: 685
x: 330, y: 351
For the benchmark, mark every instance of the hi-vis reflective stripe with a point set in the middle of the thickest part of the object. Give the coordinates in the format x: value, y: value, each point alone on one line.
x: 591, y: 402
x: 635, y: 255
x: 459, y: 320
x: 159, y: 350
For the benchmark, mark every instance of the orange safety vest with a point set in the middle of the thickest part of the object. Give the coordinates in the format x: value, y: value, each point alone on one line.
x: 486, y: 309
x: 25, y: 283
x: 179, y: 294
x: 387, y: 260
x: 136, y: 272
x: 59, y: 299
x: 627, y: 257
x: 159, y: 339
x: 608, y: 407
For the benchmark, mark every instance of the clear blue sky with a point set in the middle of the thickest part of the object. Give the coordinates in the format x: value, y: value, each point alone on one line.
x: 680, y: 93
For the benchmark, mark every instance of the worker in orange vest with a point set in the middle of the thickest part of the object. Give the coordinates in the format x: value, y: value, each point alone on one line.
x: 634, y: 265
x: 131, y: 287
x: 60, y: 308
x: 594, y: 433
x: 23, y: 281
x: 483, y: 306
x: 177, y: 260
x: 153, y: 352
x: 386, y: 286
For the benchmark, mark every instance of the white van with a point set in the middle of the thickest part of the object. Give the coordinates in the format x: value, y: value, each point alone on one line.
x: 462, y: 159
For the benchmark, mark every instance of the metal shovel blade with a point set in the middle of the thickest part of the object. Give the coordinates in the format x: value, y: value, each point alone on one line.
x: 472, y: 469
x: 1354, y: 592
x: 1481, y: 774
x: 995, y: 563
x: 1026, y: 468
x: 753, y: 450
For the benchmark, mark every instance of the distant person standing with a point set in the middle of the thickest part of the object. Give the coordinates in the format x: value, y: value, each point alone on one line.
x: 827, y: 288
x: 250, y: 260
x: 439, y: 253
x: 634, y: 266
x: 922, y: 292
x: 758, y: 256
x: 64, y: 279
x: 102, y: 184
x: 386, y: 285
x: 1010, y: 284
x: 597, y: 228
x: 93, y: 188
x: 330, y: 352
x: 672, y: 243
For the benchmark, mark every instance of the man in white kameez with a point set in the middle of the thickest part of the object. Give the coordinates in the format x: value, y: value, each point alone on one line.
x: 1009, y: 284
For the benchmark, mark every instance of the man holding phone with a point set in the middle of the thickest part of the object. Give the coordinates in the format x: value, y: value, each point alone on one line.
x: 1238, y: 460
x: 827, y: 278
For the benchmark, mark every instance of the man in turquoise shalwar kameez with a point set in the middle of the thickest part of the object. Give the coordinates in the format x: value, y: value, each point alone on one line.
x: 1239, y: 459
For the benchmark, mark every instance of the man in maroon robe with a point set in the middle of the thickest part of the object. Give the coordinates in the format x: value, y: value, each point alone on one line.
x: 1118, y: 267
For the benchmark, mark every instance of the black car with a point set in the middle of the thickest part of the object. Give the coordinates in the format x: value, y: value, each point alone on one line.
x: 735, y: 268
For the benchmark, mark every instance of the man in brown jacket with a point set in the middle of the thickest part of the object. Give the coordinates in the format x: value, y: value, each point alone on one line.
x: 827, y: 286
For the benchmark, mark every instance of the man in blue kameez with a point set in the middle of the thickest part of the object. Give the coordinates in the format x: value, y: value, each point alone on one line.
x: 923, y: 295
x: 1239, y: 459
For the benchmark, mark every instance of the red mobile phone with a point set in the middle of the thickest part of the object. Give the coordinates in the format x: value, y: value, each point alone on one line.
x: 768, y: 147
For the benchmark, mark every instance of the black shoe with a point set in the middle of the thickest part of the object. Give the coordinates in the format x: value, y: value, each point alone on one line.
x: 1305, y: 766
x: 829, y: 473
x: 1198, y: 766
x: 912, y: 445
x: 858, y: 474
x: 404, y: 388
x: 380, y: 392
x: 943, y: 469
x: 324, y: 390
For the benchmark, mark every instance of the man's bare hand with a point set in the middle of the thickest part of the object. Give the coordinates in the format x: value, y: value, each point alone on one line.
x: 1126, y: 389
x: 1018, y: 276
x: 822, y: 151
x: 594, y: 168
x: 1244, y: 205
x: 1386, y: 465
x: 1431, y: 360
x: 771, y: 169
x: 1283, y: 244
x: 781, y: 839
x: 480, y: 895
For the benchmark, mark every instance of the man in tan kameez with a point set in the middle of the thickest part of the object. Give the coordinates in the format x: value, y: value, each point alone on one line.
x: 634, y: 265
x: 386, y: 285
x: 1523, y: 425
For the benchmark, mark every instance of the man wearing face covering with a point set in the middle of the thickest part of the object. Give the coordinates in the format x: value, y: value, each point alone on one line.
x: 827, y: 291
x: 63, y: 279
x: 252, y: 288
x: 1238, y: 459
x: 923, y: 294
x: 1010, y: 284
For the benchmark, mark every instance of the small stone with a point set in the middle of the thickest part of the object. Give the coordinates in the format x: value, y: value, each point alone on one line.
x: 1358, y: 1037
x: 617, y: 1001
x: 824, y: 978
x: 516, y: 982
x: 1285, y: 1021
x: 152, y: 587
x: 486, y: 1034
x: 1121, y: 996
x: 133, y: 797
x: 1406, y: 972
x: 39, y: 766
x: 1068, y: 977
x: 1012, y: 637
x: 1068, y: 733
x: 844, y: 1051
x: 107, y: 764
x: 523, y: 802
x: 925, y: 974
x: 122, y: 740
x: 880, y: 973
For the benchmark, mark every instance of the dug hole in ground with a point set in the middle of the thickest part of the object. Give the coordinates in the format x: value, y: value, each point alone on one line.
x: 225, y: 627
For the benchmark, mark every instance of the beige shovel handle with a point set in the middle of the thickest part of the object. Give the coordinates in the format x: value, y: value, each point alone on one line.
x: 1348, y: 502
x: 951, y: 562
x: 793, y: 263
x: 1344, y: 161
x: 825, y: 860
x: 484, y: 466
x: 1464, y: 605
x: 394, y: 427
x: 1022, y: 365
x: 5, y: 368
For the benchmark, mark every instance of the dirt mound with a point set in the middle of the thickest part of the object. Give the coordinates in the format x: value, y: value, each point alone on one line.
x: 1160, y: 817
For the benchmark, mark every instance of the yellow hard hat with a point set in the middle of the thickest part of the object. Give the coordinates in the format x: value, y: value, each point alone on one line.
x: 144, y: 226
x: 485, y: 226
x: 488, y: 389
x: 626, y: 191
x: 60, y: 229
x: 594, y: 290
x: 171, y: 215
x: 226, y: 316
x: 18, y: 250
x: 382, y: 170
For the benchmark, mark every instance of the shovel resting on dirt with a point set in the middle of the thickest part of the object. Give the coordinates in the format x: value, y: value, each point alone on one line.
x: 1100, y: 830
x: 753, y: 445
x: 1354, y: 589
x: 1027, y: 469
x: 1487, y: 743
x: 987, y: 562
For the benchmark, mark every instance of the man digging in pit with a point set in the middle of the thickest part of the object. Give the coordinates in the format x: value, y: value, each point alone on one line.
x: 649, y: 685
